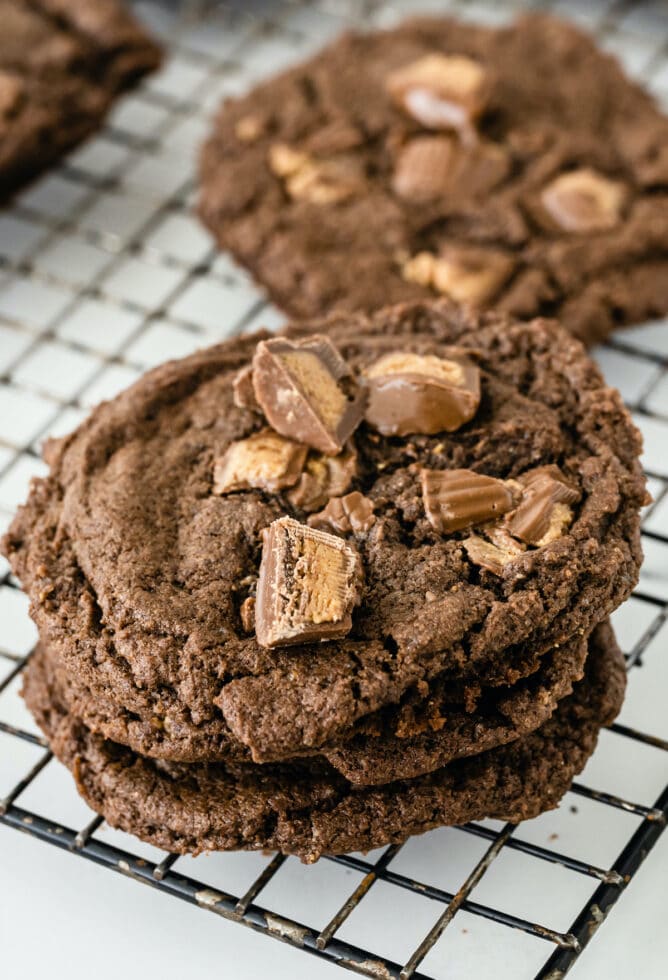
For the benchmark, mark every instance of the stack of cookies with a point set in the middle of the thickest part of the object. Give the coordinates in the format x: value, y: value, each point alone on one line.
x: 323, y: 590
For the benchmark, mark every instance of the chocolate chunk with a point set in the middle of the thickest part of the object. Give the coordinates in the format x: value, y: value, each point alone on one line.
x: 466, y: 273
x: 494, y: 554
x: 243, y: 392
x: 325, y: 181
x: 323, y: 477
x: 423, y: 168
x: 265, y: 460
x: 421, y: 393
x: 584, y: 200
x: 354, y: 512
x: 309, y: 582
x: 544, y: 511
x: 297, y: 384
x: 441, y: 91
x: 429, y: 167
x: 454, y: 499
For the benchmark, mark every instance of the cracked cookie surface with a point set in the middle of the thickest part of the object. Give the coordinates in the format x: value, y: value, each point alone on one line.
x: 310, y: 812
x: 401, y: 741
x: 546, y: 193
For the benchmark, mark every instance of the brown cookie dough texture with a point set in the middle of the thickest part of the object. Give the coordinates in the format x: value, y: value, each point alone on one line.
x: 516, y: 168
x: 314, y: 811
x: 62, y: 64
x: 174, y: 630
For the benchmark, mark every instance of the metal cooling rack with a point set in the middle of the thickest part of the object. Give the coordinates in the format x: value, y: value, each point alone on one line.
x: 104, y: 272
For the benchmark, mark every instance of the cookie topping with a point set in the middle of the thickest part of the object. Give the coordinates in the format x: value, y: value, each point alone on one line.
x: 243, y: 393
x: 247, y: 614
x: 454, y: 499
x: 496, y: 553
x: 309, y: 582
x: 265, y: 461
x: 418, y: 393
x: 298, y: 386
x: 323, y: 477
x: 423, y: 168
x: 544, y: 512
x: 354, y: 512
x: 430, y: 167
x: 584, y: 201
x: 326, y: 181
x: 467, y: 274
x: 441, y: 91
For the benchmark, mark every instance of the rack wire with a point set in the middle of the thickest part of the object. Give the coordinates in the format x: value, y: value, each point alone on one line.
x: 104, y: 272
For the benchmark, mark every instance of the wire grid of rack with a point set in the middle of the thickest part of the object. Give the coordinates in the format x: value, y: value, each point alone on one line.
x: 104, y: 272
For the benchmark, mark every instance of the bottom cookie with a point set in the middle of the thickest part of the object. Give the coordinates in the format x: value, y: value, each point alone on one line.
x: 313, y: 811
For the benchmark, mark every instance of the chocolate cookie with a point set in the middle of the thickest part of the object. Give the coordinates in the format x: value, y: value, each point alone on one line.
x: 218, y: 807
x: 403, y: 741
x: 175, y: 556
x: 420, y: 738
x: 62, y: 62
x: 517, y: 168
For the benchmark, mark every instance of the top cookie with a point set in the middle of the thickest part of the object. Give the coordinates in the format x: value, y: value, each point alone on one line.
x: 463, y: 497
x: 516, y: 168
x: 61, y: 64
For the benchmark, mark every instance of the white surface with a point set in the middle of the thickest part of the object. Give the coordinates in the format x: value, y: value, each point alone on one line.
x: 155, y: 289
x: 78, y: 921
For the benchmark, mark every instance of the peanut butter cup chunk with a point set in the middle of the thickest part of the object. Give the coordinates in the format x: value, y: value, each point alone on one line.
x: 441, y: 91
x: 433, y: 168
x: 493, y: 554
x: 308, y: 584
x: 417, y: 393
x: 454, y: 499
x: 424, y: 168
x: 464, y: 273
x: 315, y: 180
x: 544, y: 511
x: 298, y: 385
x: 583, y: 201
x: 244, y: 393
x: 265, y: 461
x: 324, y: 477
x: 354, y: 512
